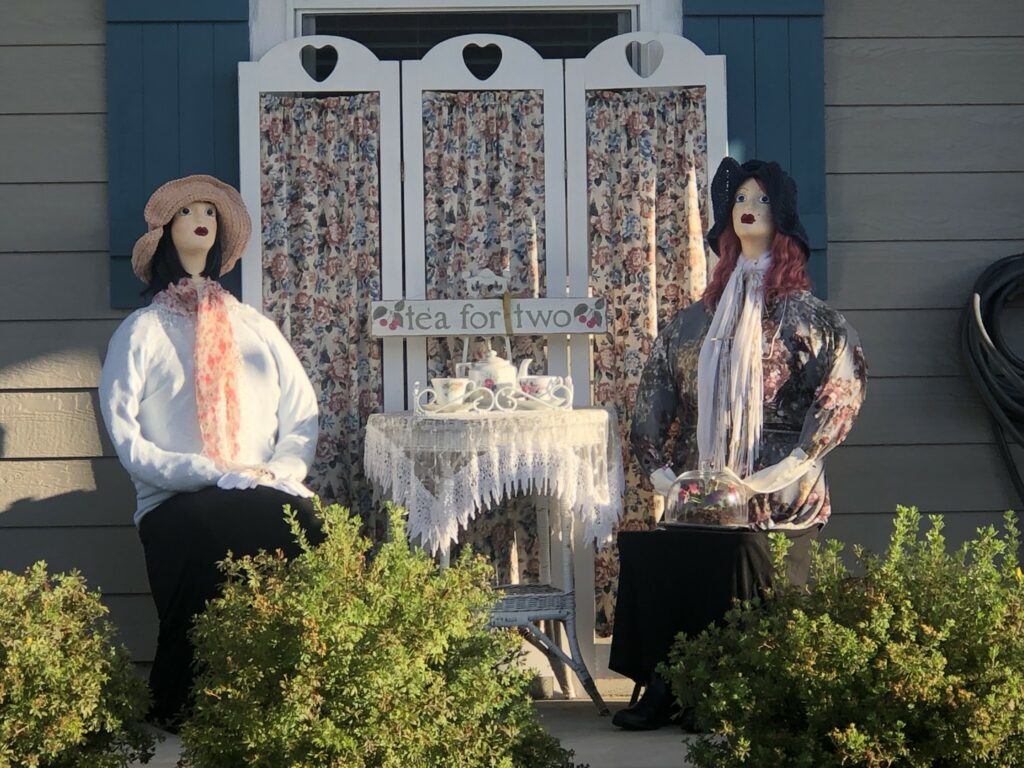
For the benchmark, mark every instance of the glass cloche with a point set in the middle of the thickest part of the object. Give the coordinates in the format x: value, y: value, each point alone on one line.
x: 706, y: 498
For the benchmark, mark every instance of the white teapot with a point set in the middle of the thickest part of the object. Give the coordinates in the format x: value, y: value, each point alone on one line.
x: 494, y: 371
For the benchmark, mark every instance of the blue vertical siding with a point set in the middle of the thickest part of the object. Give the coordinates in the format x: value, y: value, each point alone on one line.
x: 172, y: 100
x: 775, y: 73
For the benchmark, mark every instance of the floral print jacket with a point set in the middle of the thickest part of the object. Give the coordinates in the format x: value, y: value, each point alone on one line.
x: 815, y: 380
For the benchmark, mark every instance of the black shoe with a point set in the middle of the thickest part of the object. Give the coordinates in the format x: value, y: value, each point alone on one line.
x: 656, y: 708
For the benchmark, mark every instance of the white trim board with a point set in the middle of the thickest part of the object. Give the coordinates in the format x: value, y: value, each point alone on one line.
x: 273, y: 21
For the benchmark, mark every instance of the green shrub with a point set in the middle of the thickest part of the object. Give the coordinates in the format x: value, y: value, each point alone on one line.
x: 334, y: 660
x: 918, y: 661
x: 68, y: 698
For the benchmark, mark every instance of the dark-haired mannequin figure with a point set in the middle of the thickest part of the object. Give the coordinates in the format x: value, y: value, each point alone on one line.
x: 762, y: 377
x: 210, y: 412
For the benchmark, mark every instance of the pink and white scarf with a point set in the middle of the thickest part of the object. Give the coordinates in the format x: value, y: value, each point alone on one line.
x: 217, y: 363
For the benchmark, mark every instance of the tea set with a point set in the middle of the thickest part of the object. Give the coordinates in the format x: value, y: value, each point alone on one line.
x: 493, y: 384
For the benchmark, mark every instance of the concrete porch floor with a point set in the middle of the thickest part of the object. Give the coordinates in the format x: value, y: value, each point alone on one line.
x: 578, y: 726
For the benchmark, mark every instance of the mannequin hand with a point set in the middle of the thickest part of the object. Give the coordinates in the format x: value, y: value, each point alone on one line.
x: 241, y: 480
x: 291, y: 487
x: 662, y: 480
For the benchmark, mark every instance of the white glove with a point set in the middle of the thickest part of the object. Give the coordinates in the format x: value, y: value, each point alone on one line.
x: 777, y: 476
x: 291, y: 487
x: 241, y: 480
x: 662, y: 480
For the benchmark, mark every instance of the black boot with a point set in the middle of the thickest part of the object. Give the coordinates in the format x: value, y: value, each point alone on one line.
x: 654, y: 709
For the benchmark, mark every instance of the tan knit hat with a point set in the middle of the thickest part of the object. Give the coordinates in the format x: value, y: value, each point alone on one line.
x: 233, y: 225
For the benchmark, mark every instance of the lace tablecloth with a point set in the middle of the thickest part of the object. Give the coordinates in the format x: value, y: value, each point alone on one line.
x: 443, y: 470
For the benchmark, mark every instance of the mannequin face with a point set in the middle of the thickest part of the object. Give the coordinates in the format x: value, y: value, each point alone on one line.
x: 193, y: 231
x: 752, y: 219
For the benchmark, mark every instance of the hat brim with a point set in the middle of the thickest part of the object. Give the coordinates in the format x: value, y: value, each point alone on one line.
x: 233, y: 224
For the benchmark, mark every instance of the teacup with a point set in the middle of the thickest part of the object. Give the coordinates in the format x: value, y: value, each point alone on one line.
x: 453, y: 390
x: 540, y: 387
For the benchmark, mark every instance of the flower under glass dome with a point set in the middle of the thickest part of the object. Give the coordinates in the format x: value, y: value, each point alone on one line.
x: 706, y: 498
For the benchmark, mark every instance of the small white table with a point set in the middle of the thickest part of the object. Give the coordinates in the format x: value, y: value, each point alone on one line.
x: 444, y: 470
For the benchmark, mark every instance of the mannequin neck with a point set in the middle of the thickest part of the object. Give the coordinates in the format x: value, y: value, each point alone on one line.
x: 753, y: 248
x: 193, y: 262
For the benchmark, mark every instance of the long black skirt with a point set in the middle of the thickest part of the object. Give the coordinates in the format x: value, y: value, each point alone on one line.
x: 184, y: 538
x: 681, y: 580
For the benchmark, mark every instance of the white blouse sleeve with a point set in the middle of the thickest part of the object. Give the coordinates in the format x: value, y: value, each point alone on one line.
x: 121, y: 386
x: 298, y: 423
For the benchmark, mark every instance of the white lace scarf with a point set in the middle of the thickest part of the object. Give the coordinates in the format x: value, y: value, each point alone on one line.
x: 729, y: 377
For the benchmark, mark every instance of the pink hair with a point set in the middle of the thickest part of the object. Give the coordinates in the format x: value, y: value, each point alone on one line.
x: 787, y: 273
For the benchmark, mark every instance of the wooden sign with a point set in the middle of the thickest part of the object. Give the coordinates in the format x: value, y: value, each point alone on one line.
x: 487, y: 317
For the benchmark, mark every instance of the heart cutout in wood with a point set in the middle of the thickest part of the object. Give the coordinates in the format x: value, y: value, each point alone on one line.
x: 482, y: 60
x: 645, y: 58
x: 319, y: 62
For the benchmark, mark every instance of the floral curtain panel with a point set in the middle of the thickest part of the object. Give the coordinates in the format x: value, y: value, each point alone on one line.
x: 320, y: 194
x: 647, y: 187
x: 483, y: 179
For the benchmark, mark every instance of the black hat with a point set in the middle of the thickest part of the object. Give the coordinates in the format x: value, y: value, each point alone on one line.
x: 778, y: 185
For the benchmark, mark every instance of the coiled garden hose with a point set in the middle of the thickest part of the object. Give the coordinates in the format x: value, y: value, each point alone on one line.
x: 997, y: 371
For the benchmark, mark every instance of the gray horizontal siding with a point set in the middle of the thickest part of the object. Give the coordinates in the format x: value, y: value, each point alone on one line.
x: 53, y: 354
x: 52, y: 79
x: 62, y: 493
x: 910, y: 275
x: 963, y: 138
x: 134, y: 617
x: 936, y: 478
x: 922, y: 70
x: 31, y: 292
x: 54, y: 148
x: 52, y: 424
x: 924, y: 206
x: 924, y: 132
x: 53, y: 217
x: 55, y: 316
x: 933, y: 18
x: 53, y: 22
x: 109, y: 558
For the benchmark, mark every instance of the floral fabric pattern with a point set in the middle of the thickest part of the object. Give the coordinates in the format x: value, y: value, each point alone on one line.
x: 815, y: 380
x: 320, y: 199
x: 216, y: 356
x: 647, y: 183
x: 483, y: 194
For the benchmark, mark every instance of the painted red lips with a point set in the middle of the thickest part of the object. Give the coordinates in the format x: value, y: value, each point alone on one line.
x: 747, y: 218
x: 202, y: 231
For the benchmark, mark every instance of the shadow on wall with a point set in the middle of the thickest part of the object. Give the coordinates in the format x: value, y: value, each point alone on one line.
x: 88, y: 529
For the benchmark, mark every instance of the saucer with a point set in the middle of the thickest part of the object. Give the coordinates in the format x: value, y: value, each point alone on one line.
x: 459, y: 406
x: 547, y: 403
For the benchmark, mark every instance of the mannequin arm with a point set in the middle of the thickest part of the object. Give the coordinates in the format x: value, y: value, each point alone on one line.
x: 657, y: 402
x: 120, y: 391
x: 835, y: 407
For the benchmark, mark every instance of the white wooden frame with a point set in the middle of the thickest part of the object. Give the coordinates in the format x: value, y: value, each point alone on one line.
x: 273, y: 21
x: 444, y: 69
x: 606, y: 67
x: 358, y: 71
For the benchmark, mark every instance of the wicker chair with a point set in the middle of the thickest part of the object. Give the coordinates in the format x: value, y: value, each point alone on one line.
x: 525, y: 605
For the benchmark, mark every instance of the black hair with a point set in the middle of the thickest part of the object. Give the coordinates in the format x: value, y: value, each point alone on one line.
x: 166, y: 268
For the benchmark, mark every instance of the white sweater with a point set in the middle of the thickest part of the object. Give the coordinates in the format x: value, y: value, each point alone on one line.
x: 148, y: 399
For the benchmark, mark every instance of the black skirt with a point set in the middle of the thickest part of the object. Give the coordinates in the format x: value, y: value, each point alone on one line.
x: 184, y: 538
x: 682, y: 580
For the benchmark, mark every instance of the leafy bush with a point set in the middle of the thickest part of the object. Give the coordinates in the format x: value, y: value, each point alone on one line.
x: 332, y: 660
x: 917, y: 662
x: 68, y: 698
